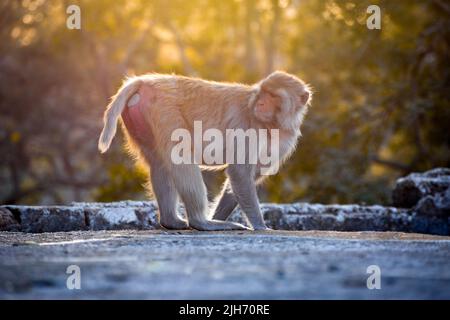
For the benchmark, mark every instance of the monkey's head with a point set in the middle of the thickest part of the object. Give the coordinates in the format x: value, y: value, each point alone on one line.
x: 281, y: 101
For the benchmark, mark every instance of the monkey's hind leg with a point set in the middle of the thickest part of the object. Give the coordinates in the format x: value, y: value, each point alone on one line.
x: 165, y: 193
x: 189, y: 183
x: 167, y: 198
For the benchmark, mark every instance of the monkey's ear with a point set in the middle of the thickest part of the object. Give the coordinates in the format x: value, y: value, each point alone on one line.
x: 273, y: 81
x: 304, y: 97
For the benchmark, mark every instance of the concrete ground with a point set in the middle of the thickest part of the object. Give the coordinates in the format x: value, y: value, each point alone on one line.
x: 224, y: 265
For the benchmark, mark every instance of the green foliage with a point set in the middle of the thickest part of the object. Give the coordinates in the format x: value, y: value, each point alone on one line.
x: 123, y: 183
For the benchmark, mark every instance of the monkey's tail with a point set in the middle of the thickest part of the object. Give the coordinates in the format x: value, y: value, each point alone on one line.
x: 114, y: 110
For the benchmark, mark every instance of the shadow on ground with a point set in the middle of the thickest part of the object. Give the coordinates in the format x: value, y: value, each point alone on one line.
x: 158, y: 264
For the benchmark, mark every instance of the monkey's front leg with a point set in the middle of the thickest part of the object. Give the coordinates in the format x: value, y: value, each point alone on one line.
x: 227, y: 201
x: 242, y: 179
x: 226, y: 204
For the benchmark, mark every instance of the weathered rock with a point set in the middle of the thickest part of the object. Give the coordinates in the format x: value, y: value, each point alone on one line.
x: 120, y: 215
x: 121, y: 218
x: 82, y: 216
x: 435, y: 205
x: 411, y: 189
x: 305, y: 216
x: 49, y: 219
x: 8, y: 221
x: 427, y: 194
x: 142, y: 215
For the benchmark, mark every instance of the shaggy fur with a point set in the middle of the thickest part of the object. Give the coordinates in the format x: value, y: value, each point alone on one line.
x: 169, y: 102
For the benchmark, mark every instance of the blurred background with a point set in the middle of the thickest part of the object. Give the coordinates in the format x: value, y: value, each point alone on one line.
x: 381, y: 105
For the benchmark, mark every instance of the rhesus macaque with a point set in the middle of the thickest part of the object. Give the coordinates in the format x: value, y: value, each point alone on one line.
x: 153, y: 106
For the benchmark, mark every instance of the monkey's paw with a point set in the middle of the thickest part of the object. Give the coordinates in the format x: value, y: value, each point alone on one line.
x: 262, y: 228
x: 175, y: 224
x: 217, y: 225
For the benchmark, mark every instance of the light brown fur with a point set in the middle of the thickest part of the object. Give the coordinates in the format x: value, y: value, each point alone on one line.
x: 172, y: 102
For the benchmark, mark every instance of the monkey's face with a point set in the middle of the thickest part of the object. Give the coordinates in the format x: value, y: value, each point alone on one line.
x: 266, y: 106
x: 282, y: 101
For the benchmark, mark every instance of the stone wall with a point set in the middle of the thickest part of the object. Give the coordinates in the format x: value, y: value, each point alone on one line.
x: 421, y: 203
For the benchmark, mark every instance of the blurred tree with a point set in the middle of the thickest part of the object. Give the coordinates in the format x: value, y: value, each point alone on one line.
x: 380, y: 110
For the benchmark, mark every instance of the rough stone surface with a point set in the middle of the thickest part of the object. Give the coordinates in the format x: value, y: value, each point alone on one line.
x: 136, y: 259
x: 298, y: 216
x: 411, y: 189
x: 426, y: 195
x: 437, y: 205
x: 84, y: 216
x: 305, y: 216
x: 157, y: 264
x: 7, y: 221
x: 121, y: 215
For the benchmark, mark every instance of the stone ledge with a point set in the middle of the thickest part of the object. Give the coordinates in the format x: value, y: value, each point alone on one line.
x: 143, y: 216
x: 410, y: 190
x: 422, y: 205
